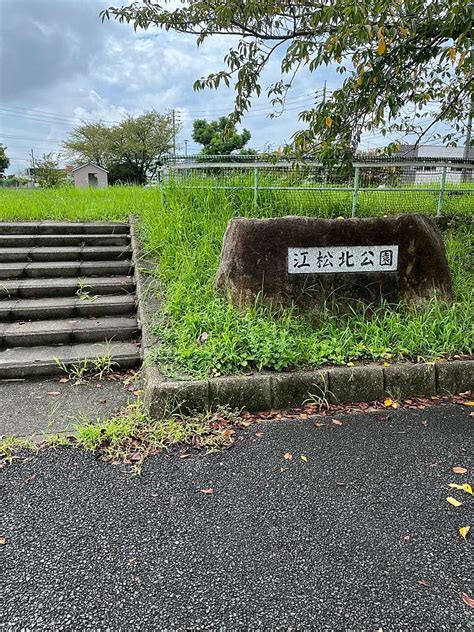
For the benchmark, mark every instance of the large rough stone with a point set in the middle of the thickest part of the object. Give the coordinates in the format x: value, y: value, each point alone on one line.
x: 254, y: 260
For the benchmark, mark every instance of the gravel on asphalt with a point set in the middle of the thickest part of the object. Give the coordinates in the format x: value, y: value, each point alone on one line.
x: 358, y: 536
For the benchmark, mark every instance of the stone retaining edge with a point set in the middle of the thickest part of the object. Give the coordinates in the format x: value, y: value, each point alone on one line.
x: 266, y: 391
x: 147, y: 301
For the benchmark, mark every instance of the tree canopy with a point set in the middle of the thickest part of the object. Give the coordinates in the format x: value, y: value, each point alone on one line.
x: 219, y: 137
x: 389, y: 54
x: 48, y: 173
x: 130, y: 150
x: 4, y: 160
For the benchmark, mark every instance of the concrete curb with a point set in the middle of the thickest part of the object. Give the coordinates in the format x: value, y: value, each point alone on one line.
x: 147, y: 302
x: 280, y: 391
x: 265, y: 391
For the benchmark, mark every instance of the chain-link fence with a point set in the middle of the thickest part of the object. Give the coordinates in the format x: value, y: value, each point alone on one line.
x: 433, y: 186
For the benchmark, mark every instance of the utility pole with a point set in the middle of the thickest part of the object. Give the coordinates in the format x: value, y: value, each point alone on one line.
x: 186, y: 148
x: 466, y: 174
x: 32, y: 168
x: 173, y: 119
x: 174, y: 123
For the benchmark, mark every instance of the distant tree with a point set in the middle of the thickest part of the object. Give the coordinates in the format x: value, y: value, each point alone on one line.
x: 218, y: 137
x: 48, y: 174
x: 4, y: 160
x: 131, y: 150
x: 393, y: 58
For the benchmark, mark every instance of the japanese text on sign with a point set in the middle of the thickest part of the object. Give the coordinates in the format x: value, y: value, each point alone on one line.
x: 338, y: 259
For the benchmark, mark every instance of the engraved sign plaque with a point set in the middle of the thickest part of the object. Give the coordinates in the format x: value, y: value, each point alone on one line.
x: 337, y: 259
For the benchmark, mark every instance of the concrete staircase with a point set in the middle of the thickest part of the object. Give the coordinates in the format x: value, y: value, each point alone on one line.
x: 67, y: 292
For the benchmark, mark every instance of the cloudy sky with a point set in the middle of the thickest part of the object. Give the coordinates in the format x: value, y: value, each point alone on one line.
x: 60, y: 64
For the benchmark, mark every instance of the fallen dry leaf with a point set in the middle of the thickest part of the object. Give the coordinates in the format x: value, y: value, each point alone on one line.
x: 459, y: 470
x: 304, y: 458
x: 469, y: 403
x: 469, y: 601
x: 64, y: 380
x: 207, y: 490
x: 452, y: 501
x: 350, y: 364
x: 3, y: 541
x: 463, y: 532
x: 259, y: 434
x: 337, y: 422
x: 465, y: 487
x: 54, y: 393
x: 319, y: 424
x: 340, y: 483
x: 288, y: 456
x: 424, y: 582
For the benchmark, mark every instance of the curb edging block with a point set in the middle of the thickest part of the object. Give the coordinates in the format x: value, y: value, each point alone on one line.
x: 292, y: 389
x: 162, y: 397
x: 252, y: 392
x: 405, y: 380
x: 356, y: 384
x: 454, y: 377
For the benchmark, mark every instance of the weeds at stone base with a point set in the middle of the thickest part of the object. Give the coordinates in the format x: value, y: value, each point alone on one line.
x: 131, y: 436
x: 98, y: 367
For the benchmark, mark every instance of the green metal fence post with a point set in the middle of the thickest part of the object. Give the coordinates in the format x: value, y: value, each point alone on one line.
x: 255, y: 186
x: 442, y: 189
x: 161, y: 177
x: 355, y: 191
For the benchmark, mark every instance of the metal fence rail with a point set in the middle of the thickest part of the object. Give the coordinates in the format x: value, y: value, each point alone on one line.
x: 432, y: 185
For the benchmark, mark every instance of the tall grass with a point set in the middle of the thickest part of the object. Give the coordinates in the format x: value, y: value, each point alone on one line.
x: 185, y: 234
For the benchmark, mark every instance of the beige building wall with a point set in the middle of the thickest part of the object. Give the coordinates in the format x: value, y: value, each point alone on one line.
x: 90, y: 177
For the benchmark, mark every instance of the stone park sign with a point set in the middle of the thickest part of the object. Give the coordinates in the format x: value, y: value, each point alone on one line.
x: 311, y: 262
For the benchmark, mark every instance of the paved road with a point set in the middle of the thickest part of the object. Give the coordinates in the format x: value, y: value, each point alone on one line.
x: 36, y: 407
x: 89, y: 546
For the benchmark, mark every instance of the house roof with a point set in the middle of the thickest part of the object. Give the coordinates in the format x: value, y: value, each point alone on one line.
x: 89, y: 164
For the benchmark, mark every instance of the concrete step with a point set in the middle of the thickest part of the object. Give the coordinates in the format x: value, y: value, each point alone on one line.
x: 38, y: 361
x: 55, y: 269
x: 55, y: 241
x: 41, y: 288
x: 63, y: 228
x: 53, y: 332
x: 65, y: 253
x: 67, y: 307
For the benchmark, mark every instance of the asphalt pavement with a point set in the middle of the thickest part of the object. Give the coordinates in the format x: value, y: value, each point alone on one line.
x: 359, y: 536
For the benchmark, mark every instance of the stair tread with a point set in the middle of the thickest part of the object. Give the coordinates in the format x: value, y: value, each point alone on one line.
x: 29, y: 361
x: 65, y: 281
x: 37, y: 303
x: 74, y: 253
x: 79, y: 239
x: 68, y: 228
x: 35, y: 269
x: 55, y: 307
x: 60, y: 325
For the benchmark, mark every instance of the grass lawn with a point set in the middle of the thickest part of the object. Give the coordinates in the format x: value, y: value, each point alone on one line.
x: 186, y: 236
